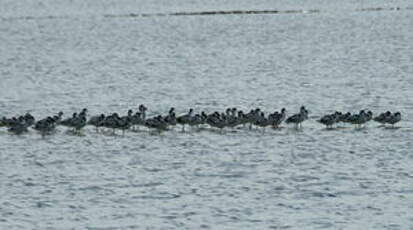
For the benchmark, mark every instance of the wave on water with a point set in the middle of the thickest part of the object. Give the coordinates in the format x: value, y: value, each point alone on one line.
x: 210, y: 13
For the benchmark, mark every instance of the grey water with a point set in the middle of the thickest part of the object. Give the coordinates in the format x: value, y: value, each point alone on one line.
x: 66, y: 55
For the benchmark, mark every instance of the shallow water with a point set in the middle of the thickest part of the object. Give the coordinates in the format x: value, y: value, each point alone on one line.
x: 60, y: 56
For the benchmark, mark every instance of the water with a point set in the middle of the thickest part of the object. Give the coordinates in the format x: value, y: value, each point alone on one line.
x: 59, y: 55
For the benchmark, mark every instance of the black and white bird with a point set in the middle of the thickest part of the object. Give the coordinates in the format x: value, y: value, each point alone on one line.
x: 394, y: 118
x: 298, y: 118
x: 185, y: 119
x: 382, y: 118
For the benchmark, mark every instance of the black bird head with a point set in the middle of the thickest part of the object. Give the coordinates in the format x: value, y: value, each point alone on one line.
x: 142, y: 108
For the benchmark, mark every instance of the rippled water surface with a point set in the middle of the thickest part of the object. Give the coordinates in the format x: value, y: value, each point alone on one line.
x: 66, y: 55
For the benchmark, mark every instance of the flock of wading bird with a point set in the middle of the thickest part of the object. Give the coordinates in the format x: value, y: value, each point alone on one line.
x: 231, y: 118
